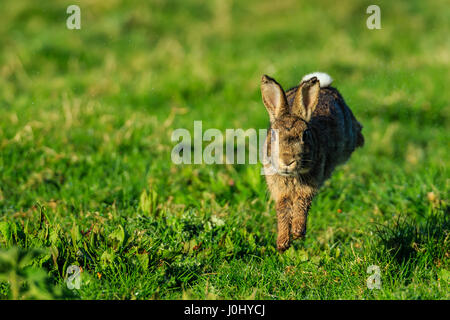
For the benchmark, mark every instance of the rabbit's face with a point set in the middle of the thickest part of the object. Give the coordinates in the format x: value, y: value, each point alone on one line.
x: 291, y: 146
x: 291, y: 141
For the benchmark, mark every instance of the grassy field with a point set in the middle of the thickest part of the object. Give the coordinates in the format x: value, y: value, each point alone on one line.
x: 86, y: 177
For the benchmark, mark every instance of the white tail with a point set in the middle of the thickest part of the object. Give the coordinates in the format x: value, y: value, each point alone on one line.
x: 324, y: 79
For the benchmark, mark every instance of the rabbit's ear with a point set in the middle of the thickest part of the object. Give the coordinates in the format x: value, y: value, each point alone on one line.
x: 306, y: 98
x: 273, y: 97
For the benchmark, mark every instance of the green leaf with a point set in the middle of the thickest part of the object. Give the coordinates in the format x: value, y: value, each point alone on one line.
x: 444, y: 275
x: 106, y: 259
x: 148, y: 202
x: 302, y: 256
x: 75, y: 234
x: 143, y: 260
x: 55, y: 253
x: 54, y: 235
x: 117, y: 237
x: 5, y: 230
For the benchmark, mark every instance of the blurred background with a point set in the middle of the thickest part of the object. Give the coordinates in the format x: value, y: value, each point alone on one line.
x: 136, y: 70
x: 86, y: 115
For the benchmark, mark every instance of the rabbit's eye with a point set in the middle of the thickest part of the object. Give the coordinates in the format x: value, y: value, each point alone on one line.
x: 306, y: 134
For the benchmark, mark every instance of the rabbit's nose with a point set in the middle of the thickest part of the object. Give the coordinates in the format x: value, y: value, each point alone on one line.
x: 287, y: 165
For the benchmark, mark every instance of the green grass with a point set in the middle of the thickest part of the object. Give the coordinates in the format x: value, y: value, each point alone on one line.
x: 86, y: 177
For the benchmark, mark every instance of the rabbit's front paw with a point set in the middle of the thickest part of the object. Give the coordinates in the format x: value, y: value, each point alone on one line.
x: 298, y: 233
x: 283, y: 242
x: 298, y: 229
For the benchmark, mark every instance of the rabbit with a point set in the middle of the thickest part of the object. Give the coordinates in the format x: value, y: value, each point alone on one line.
x: 313, y: 130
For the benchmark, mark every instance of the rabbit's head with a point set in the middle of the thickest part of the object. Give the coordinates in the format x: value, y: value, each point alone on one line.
x: 289, y: 122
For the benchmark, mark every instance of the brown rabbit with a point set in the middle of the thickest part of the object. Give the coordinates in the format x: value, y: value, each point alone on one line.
x: 312, y: 130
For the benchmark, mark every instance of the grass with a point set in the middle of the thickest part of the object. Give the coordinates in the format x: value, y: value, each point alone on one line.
x: 86, y: 177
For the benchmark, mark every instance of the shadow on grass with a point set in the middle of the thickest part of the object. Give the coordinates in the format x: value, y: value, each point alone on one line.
x: 410, y: 241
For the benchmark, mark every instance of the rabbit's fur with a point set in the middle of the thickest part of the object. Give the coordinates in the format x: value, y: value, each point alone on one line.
x: 314, y: 131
